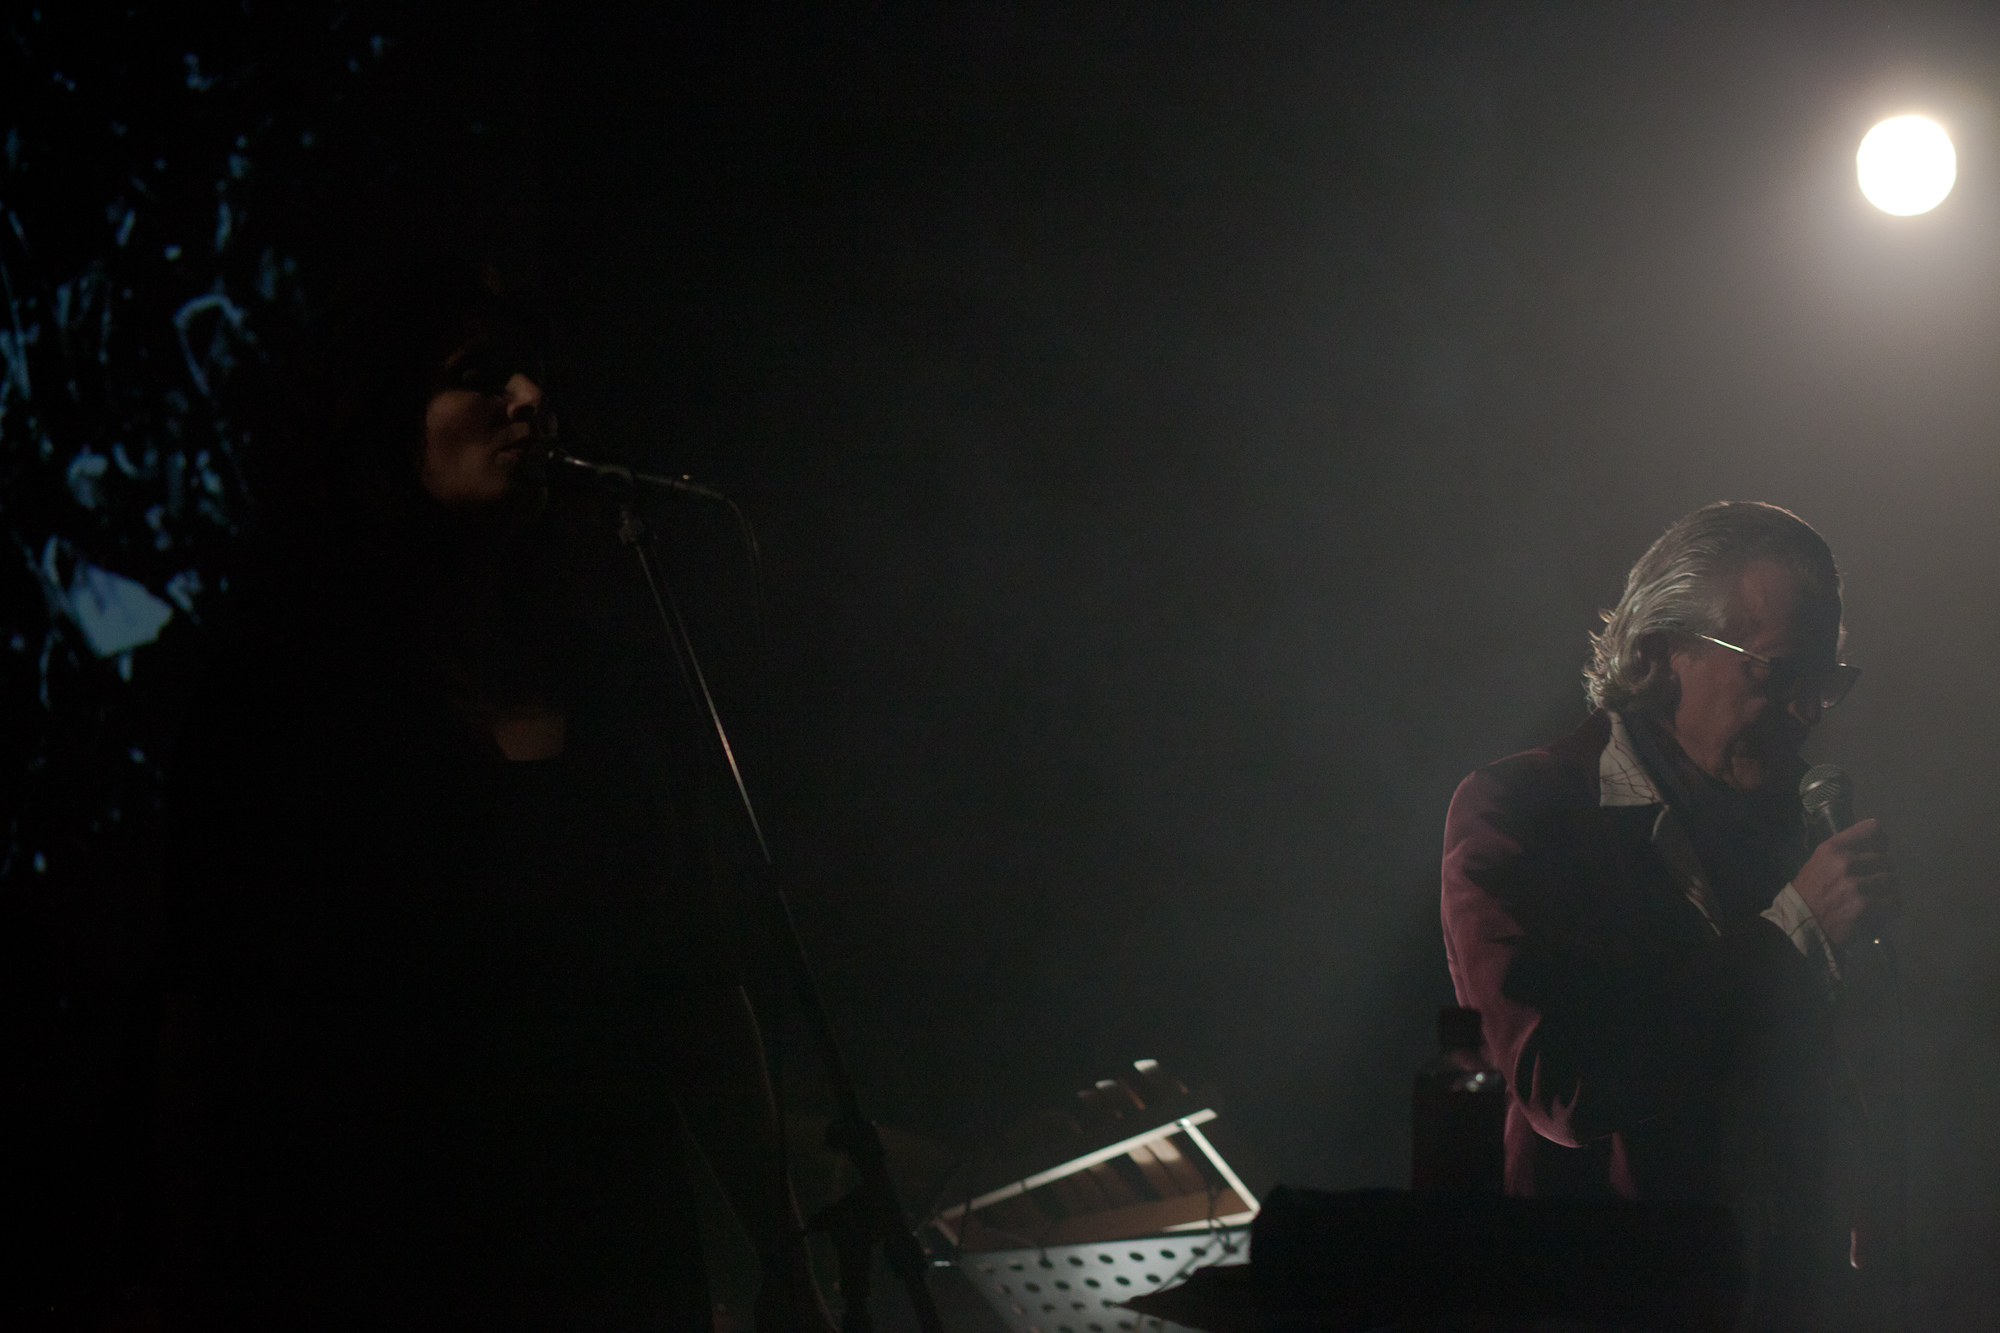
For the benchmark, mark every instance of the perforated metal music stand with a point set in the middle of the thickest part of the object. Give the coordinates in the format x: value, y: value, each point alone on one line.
x: 1059, y: 1250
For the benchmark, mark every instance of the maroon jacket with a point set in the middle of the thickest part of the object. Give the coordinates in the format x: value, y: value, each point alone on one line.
x: 1649, y: 1052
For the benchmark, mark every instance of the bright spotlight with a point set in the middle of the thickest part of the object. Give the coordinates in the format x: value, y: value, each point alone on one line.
x: 1906, y: 165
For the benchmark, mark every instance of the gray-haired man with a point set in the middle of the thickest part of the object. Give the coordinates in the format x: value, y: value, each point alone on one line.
x: 1636, y: 914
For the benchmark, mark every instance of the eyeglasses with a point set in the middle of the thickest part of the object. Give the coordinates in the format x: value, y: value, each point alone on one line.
x: 1790, y: 678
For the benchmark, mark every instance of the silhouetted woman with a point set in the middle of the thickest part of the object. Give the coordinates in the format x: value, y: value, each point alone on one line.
x: 445, y: 967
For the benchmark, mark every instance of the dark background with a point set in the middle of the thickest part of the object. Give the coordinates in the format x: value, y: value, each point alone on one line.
x: 1186, y: 440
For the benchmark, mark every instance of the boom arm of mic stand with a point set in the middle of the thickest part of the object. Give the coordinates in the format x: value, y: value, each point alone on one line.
x: 871, y: 1213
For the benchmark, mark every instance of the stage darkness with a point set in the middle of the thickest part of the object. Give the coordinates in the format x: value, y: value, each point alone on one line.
x: 1185, y: 440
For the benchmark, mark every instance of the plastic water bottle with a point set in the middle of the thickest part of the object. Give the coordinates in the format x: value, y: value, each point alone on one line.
x: 1458, y: 1113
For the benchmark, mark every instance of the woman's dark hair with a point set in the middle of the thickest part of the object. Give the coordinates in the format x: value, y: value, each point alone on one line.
x: 396, y: 336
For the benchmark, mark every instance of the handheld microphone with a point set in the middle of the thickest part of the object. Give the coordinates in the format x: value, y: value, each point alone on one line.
x: 1827, y: 794
x: 625, y: 476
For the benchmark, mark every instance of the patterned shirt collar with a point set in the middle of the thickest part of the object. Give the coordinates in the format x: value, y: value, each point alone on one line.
x: 1621, y: 778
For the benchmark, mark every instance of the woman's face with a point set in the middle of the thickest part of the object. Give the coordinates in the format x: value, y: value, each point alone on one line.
x: 478, y: 433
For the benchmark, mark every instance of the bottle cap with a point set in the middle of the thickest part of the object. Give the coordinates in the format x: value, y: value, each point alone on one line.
x: 1458, y: 1029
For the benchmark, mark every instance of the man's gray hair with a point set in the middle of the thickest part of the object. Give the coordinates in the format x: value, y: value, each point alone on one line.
x: 1682, y: 587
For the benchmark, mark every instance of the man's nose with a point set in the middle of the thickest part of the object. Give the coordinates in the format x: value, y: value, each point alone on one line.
x: 1807, y: 709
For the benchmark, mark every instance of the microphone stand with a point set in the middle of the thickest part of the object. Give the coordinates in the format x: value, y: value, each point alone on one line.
x: 870, y: 1214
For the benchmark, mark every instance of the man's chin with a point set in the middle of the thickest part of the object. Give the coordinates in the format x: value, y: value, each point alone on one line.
x: 1764, y: 771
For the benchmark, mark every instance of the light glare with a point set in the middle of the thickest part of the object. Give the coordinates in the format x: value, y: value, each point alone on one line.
x: 1906, y: 165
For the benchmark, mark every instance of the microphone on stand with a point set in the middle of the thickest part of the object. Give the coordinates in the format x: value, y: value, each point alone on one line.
x: 618, y: 472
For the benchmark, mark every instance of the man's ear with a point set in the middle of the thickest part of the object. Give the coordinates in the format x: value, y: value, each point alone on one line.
x: 1656, y: 650
x: 1652, y: 650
